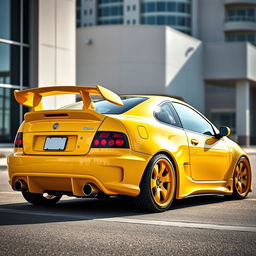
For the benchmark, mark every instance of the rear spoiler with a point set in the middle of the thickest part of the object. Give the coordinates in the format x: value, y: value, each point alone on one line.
x: 33, y: 97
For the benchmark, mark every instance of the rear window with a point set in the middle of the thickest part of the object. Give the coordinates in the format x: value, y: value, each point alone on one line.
x: 106, y: 107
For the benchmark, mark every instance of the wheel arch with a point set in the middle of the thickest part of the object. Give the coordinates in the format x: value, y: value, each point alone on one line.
x: 172, y: 159
x: 238, y: 159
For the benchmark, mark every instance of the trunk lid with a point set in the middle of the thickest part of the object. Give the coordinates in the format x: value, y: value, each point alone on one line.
x: 76, y: 127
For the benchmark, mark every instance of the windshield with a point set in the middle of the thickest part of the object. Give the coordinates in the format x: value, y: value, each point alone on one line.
x: 106, y: 107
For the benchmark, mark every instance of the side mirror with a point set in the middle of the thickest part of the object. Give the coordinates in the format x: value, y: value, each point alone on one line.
x: 224, y: 131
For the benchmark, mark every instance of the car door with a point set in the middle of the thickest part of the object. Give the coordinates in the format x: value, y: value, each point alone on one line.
x: 209, y: 156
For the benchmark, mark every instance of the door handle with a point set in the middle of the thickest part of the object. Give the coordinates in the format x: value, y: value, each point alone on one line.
x: 194, y: 142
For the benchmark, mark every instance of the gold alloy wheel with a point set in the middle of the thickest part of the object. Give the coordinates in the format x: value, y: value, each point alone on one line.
x: 242, y: 178
x: 162, y: 182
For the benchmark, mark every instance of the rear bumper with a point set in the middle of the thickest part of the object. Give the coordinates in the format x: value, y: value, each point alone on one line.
x: 113, y: 173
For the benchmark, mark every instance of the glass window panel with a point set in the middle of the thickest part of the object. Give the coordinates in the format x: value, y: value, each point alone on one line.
x: 188, y: 8
x: 225, y: 119
x: 160, y: 6
x: 115, y: 10
x: 193, y: 121
x: 241, y: 12
x: 181, y: 7
x: 143, y: 8
x: 241, y: 38
x: 166, y: 114
x: 180, y: 21
x: 151, y: 7
x: 10, y: 64
x: 78, y: 14
x: 26, y: 67
x: 171, y: 7
x: 251, y: 12
x: 151, y: 20
x: 78, y: 3
x: 231, y: 12
x: 26, y: 15
x: 171, y: 20
x: 161, y: 20
x: 251, y: 38
x: 9, y: 111
x: 230, y: 38
x: 10, y: 19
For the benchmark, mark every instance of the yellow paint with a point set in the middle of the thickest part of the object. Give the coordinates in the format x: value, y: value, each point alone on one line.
x: 206, y: 167
x: 32, y: 97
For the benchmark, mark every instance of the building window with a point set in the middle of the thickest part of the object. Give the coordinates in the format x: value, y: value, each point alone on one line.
x: 128, y: 22
x: 176, y: 14
x: 14, y: 63
x: 241, y: 14
x: 128, y: 8
x: 241, y: 37
x: 90, y: 12
x: 224, y: 118
x: 85, y: 12
x: 78, y: 15
x: 78, y: 24
x: 134, y: 7
x: 134, y: 22
x: 110, y: 12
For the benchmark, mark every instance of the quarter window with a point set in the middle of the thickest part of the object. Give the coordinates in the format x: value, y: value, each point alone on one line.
x: 193, y: 121
x: 166, y: 114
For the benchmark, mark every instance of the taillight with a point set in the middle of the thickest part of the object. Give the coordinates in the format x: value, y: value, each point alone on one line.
x: 110, y: 140
x: 18, y: 142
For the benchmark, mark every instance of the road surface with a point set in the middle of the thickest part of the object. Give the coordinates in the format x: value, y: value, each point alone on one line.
x: 208, y: 225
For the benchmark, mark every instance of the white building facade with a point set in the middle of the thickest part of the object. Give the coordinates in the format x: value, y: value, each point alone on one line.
x: 213, y: 67
x: 37, y: 48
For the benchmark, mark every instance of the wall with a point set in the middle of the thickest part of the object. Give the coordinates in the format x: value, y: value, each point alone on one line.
x: 56, y: 46
x: 184, y: 68
x: 142, y: 59
x: 225, y: 60
x: 211, y: 17
x: 122, y: 58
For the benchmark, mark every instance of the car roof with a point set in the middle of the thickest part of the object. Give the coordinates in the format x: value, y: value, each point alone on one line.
x: 155, y: 96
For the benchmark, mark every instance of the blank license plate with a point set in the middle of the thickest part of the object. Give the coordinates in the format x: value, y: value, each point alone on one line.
x: 55, y: 143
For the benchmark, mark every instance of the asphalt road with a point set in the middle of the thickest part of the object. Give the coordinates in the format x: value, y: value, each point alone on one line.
x: 208, y: 225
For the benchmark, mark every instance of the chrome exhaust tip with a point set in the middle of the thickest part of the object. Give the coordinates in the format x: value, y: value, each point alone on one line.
x: 20, y: 185
x: 90, y: 189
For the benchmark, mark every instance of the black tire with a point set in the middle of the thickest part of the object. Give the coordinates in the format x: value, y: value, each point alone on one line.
x: 246, y: 177
x: 40, y: 199
x: 146, y: 199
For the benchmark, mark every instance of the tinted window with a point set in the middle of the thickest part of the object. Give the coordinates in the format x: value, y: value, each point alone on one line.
x: 192, y: 121
x: 106, y: 107
x: 166, y: 114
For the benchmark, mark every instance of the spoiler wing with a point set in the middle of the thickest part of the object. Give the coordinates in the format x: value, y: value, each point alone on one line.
x: 33, y: 97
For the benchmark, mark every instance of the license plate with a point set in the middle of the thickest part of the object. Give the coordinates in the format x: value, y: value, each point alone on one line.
x: 55, y: 143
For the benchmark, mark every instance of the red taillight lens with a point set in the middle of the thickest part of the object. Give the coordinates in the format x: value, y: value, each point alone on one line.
x: 110, y: 140
x: 18, y: 142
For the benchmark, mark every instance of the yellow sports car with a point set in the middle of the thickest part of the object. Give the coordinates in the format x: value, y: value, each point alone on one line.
x: 153, y: 148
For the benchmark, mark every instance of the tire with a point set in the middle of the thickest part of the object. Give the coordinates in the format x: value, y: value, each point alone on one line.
x: 158, y: 185
x: 40, y: 199
x: 242, y: 179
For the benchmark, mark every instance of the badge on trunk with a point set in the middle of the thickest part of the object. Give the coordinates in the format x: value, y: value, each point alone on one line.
x: 55, y: 126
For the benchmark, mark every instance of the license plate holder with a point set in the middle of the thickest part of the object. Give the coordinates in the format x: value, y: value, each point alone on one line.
x: 55, y: 143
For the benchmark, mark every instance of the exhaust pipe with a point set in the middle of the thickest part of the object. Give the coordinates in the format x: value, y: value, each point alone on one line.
x: 20, y: 185
x: 90, y: 189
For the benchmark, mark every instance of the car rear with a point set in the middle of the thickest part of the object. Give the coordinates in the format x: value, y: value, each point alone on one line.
x: 78, y: 152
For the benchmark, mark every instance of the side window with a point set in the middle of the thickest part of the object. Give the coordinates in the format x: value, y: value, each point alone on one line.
x: 192, y: 121
x: 166, y: 114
